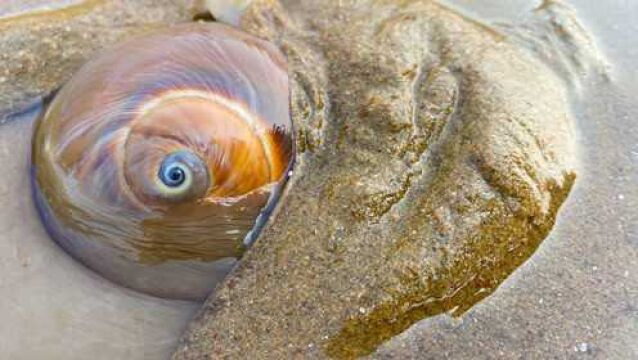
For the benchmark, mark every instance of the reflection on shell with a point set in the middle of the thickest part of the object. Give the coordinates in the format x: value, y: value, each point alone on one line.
x: 154, y: 161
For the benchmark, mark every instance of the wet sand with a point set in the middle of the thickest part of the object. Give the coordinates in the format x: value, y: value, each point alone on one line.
x: 577, y: 296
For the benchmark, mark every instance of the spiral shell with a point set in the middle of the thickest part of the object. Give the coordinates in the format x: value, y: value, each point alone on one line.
x: 156, y: 160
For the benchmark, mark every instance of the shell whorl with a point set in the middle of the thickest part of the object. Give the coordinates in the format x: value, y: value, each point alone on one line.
x: 164, y: 150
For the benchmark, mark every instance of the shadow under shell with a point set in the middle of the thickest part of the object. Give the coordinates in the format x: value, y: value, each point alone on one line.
x: 205, y: 101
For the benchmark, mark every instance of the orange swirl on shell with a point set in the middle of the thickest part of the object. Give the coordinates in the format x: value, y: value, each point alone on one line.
x: 209, y: 91
x: 244, y: 154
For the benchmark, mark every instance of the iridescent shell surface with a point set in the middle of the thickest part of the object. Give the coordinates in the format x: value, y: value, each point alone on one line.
x: 161, y: 158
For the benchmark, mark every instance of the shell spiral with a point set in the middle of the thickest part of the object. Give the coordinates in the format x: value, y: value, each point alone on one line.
x: 154, y: 163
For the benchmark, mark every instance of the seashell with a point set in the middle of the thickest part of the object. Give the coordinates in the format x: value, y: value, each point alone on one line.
x: 160, y: 160
x: 228, y: 11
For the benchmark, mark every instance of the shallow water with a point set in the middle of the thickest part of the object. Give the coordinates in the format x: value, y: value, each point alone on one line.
x: 577, y: 295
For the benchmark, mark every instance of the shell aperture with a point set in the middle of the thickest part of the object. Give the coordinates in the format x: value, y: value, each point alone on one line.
x: 154, y: 162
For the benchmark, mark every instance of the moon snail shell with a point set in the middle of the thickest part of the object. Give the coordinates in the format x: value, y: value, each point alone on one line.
x: 161, y: 158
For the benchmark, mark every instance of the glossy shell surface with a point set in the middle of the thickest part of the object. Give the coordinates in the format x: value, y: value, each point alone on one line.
x: 160, y: 159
